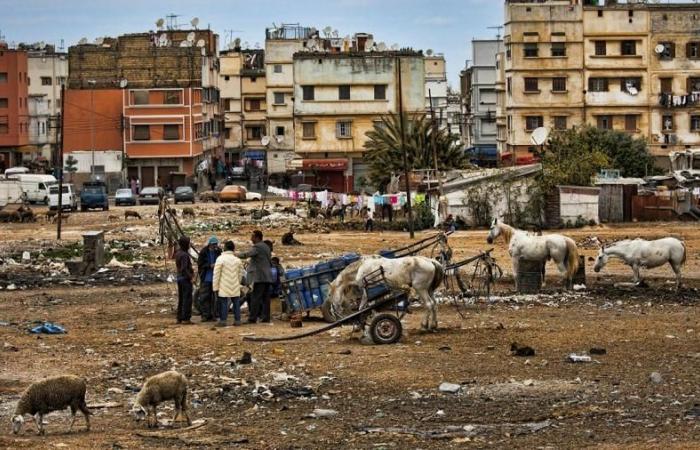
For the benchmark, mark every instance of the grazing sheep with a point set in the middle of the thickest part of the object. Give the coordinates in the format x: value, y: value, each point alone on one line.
x: 51, y: 394
x: 170, y: 385
x: 129, y: 213
x: 188, y: 212
x: 112, y: 218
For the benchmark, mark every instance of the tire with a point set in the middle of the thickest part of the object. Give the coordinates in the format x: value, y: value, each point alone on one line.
x: 385, y: 329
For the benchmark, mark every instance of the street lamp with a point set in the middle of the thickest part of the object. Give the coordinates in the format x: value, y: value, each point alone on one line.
x: 92, y: 84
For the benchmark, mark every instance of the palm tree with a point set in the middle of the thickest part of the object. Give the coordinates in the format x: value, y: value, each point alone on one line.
x: 385, y: 155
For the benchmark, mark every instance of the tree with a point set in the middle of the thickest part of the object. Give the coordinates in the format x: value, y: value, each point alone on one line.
x: 385, y: 155
x: 71, y: 166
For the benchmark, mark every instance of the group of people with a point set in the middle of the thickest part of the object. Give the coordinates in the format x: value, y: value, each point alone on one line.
x: 222, y: 276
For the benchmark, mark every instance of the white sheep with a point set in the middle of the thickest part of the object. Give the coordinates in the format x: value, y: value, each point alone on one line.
x: 170, y: 385
x: 51, y: 394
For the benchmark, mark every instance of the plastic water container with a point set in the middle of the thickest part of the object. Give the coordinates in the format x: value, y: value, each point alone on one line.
x: 294, y: 299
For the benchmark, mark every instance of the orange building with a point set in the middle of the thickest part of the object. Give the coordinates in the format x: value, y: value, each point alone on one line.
x: 14, y: 115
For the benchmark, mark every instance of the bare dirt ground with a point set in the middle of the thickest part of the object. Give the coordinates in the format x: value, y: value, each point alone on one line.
x: 384, y: 396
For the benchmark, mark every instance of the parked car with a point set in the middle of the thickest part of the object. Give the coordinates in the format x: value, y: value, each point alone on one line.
x: 184, y: 194
x: 36, y: 187
x: 237, y: 173
x: 233, y: 194
x: 150, y: 195
x: 93, y: 195
x: 13, y: 172
x: 10, y: 192
x: 124, y: 197
x: 69, y: 197
x: 251, y: 196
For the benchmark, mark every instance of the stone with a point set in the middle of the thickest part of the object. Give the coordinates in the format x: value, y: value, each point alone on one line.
x: 321, y: 413
x: 449, y: 388
x: 656, y: 378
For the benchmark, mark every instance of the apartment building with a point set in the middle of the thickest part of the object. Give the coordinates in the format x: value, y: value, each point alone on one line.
x: 14, y: 114
x: 338, y: 97
x: 436, y: 84
x: 149, y: 99
x: 48, y: 72
x: 256, y: 137
x: 231, y: 61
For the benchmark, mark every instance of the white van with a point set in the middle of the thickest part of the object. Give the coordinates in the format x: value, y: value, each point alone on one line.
x: 10, y: 192
x: 37, y: 187
x: 13, y: 172
x: 70, y: 199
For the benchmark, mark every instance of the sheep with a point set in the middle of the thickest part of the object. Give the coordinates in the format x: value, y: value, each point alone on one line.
x: 52, y: 394
x: 129, y: 213
x: 170, y: 385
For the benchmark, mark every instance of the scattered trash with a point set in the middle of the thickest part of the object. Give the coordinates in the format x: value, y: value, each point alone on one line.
x: 114, y: 263
x: 529, y: 382
x: 694, y: 412
x: 574, y: 358
x: 320, y: 413
x: 656, y: 378
x: 158, y: 333
x: 345, y: 352
x: 597, y: 351
x: 449, y: 388
x: 445, y: 348
x: 48, y: 328
x: 247, y: 358
x: 9, y: 347
x: 517, y: 350
x: 26, y: 257
x: 579, y: 287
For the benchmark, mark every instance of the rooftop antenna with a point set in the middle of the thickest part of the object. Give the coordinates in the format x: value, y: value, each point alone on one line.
x: 172, y: 21
x: 194, y: 22
x: 229, y: 34
x: 498, y: 33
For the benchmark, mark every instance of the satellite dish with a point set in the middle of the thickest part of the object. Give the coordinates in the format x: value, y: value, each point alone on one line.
x: 190, y: 36
x: 429, y: 52
x: 99, y: 40
x: 163, y: 40
x: 42, y: 45
x: 381, y: 47
x: 201, y: 43
x: 195, y: 22
x: 185, y: 44
x: 82, y: 41
x: 539, y: 136
x: 395, y: 47
x: 237, y: 42
x: 265, y: 140
x: 327, y: 31
x: 160, y: 23
x: 123, y: 83
x: 279, y: 139
x: 659, y: 49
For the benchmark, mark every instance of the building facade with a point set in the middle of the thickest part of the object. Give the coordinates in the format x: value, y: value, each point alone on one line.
x: 436, y: 86
x: 256, y: 136
x: 338, y: 98
x: 14, y: 108
x: 230, y: 85
x: 154, y: 97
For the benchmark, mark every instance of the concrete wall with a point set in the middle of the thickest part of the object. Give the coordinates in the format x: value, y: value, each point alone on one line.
x: 578, y: 202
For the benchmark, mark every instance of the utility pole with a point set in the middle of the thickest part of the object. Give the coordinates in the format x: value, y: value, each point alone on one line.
x: 92, y: 126
x: 60, y: 163
x: 433, y: 142
x: 405, y: 156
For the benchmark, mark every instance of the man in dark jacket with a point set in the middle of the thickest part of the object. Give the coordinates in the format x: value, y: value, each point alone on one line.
x: 205, y: 268
x: 184, y: 281
x: 259, y: 276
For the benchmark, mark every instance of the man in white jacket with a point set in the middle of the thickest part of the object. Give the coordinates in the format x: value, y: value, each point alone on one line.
x: 228, y: 273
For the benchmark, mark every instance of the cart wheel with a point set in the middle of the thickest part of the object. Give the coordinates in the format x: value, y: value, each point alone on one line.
x: 385, y: 328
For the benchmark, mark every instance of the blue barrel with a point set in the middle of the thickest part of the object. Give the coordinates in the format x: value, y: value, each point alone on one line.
x: 338, y: 264
x: 294, y: 298
x: 390, y: 254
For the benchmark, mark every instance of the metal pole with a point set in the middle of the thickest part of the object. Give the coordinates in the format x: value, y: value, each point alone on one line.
x: 92, y: 129
x: 434, y: 145
x: 405, y: 156
x: 60, y: 164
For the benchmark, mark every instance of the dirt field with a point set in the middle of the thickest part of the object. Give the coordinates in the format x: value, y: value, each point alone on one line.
x: 383, y: 396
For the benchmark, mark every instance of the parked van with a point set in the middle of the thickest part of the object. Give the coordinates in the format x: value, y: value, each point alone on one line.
x: 37, y: 187
x: 70, y: 199
x: 10, y: 192
x: 13, y: 172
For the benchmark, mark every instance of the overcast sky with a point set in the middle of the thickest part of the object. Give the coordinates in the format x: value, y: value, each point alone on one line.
x: 446, y: 26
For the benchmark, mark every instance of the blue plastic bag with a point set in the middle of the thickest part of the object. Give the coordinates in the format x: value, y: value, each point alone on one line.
x: 48, y: 328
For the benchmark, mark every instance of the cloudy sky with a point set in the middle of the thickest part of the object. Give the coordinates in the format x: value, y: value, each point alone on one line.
x: 446, y: 26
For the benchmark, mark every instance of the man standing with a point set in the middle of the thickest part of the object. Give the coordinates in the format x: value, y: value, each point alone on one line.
x: 228, y: 272
x: 184, y: 281
x: 205, y: 265
x: 260, y: 276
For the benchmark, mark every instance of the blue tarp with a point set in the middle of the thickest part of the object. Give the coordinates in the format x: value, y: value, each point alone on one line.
x: 48, y: 328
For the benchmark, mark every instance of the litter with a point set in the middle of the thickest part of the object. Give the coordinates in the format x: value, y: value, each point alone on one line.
x: 320, y: 413
x: 48, y: 328
x: 449, y: 388
x: 574, y: 358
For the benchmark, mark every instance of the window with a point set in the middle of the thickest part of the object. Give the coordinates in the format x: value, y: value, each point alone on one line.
x: 530, y: 50
x: 631, y: 85
x: 142, y: 133
x: 308, y: 92
x: 601, y: 48
x: 277, y: 68
x: 598, y: 84
x: 171, y: 132
x: 628, y: 48
x: 532, y: 122
x: 254, y: 104
x: 531, y: 85
x: 508, y: 51
x: 343, y: 129
x: 669, y: 51
x: 227, y: 78
x: 3, y: 77
x: 279, y: 131
x: 604, y: 122
x: 3, y: 103
x: 509, y: 85
x: 666, y: 85
x: 559, y: 84
x: 692, y: 50
x: 59, y: 81
x: 560, y: 122
x: 171, y: 98
x: 308, y: 130
x: 254, y: 133
x: 46, y: 81
x: 140, y: 97
x: 693, y: 84
x: 558, y: 49
x: 4, y: 126
x: 227, y: 104
x: 344, y: 92
x: 380, y: 91
x: 631, y: 122
x: 695, y: 123
x: 279, y: 98
x: 667, y: 122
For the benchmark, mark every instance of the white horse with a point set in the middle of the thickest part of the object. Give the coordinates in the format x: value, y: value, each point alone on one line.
x: 521, y: 244
x: 639, y: 253
x: 424, y: 275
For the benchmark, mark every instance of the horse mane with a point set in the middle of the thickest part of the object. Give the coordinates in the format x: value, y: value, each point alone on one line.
x: 507, y: 232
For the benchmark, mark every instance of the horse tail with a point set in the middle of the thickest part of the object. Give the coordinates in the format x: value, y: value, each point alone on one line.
x: 438, y: 277
x: 685, y: 253
x: 571, y: 259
